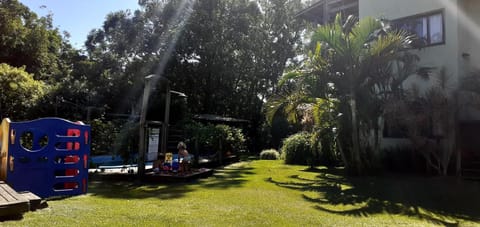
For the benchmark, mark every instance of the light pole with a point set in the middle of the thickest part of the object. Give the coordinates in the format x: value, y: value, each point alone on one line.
x: 166, y: 119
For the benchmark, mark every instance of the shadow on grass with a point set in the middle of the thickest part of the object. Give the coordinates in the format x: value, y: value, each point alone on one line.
x: 17, y: 217
x: 439, y: 200
x: 228, y: 177
x: 132, y: 190
x: 224, y: 178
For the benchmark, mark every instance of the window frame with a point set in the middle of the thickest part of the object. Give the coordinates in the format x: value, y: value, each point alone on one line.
x: 426, y: 15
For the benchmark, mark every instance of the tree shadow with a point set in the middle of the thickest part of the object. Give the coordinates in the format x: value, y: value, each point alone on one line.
x: 132, y: 190
x: 7, y: 218
x: 432, y: 199
x: 228, y: 177
x: 128, y: 188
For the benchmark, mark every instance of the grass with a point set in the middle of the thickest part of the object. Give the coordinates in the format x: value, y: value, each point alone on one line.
x: 269, y: 193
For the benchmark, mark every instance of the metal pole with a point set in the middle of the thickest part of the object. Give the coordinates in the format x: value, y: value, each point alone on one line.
x: 166, y: 120
x: 89, y: 112
x: 143, y: 116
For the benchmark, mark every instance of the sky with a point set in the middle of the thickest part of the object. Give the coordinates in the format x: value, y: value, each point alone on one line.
x: 78, y: 17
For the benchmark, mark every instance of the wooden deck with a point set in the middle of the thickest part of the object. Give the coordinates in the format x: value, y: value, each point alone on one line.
x: 33, y: 200
x: 12, y: 202
x: 15, y: 203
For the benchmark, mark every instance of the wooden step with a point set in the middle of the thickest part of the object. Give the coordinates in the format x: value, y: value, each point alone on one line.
x: 33, y: 199
x: 11, y: 202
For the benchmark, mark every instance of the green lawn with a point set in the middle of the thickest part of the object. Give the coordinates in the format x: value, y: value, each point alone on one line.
x: 268, y: 193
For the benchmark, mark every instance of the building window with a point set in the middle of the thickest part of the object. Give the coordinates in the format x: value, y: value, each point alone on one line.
x: 429, y: 28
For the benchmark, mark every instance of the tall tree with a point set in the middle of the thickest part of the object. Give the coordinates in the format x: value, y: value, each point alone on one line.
x: 28, y: 40
x: 227, y: 55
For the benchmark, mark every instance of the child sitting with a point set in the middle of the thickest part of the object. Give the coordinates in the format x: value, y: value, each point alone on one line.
x: 183, y: 157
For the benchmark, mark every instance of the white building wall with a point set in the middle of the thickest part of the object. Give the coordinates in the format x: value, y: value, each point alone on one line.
x: 469, y: 34
x: 444, y: 55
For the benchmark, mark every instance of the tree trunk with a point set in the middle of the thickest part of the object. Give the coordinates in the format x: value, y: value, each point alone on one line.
x: 357, y: 163
x: 457, y: 146
x: 378, y: 129
x: 342, y: 154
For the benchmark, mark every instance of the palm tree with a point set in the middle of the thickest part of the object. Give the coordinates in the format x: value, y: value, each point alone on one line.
x: 352, y: 63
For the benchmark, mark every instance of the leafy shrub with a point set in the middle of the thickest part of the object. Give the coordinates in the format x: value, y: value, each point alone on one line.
x: 301, y: 149
x: 103, y: 136
x: 114, y: 137
x: 216, y: 137
x: 20, y: 91
x: 270, y: 154
x: 232, y: 138
x: 328, y: 155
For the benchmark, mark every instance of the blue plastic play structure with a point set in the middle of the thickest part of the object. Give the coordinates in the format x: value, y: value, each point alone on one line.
x: 48, y: 156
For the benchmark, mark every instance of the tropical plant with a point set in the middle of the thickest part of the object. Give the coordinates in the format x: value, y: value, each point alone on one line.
x: 351, y: 67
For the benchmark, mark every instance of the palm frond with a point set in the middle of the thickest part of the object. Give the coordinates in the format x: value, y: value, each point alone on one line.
x: 323, y: 110
x: 274, y: 106
x: 332, y: 35
x: 290, y: 105
x: 362, y: 34
x: 349, y: 24
x: 289, y: 76
x: 387, y: 46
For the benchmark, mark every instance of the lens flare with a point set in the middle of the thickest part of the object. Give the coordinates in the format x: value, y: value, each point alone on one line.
x: 464, y: 20
x: 165, y: 46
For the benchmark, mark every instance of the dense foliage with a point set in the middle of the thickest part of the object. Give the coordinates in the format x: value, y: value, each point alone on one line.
x: 348, y: 74
x: 19, y: 91
x: 226, y: 56
x: 213, y: 138
x: 30, y: 41
x: 115, y: 137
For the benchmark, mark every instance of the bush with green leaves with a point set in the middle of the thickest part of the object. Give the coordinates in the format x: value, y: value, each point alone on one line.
x: 270, y: 154
x: 301, y: 149
x: 114, y: 137
x: 20, y: 91
x: 103, y: 136
x: 329, y: 155
x: 215, y: 137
